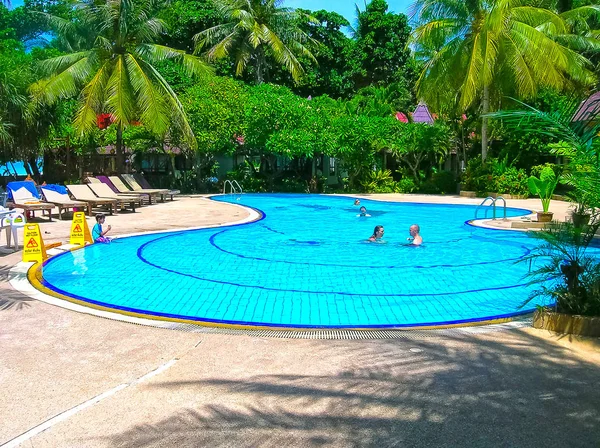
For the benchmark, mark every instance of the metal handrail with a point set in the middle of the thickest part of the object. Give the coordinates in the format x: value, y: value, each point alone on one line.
x: 493, y: 204
x: 504, y: 206
x: 237, y: 184
x: 225, y: 187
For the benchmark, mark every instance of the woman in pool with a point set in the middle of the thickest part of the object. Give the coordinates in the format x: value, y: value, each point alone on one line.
x: 363, y: 212
x: 377, y: 234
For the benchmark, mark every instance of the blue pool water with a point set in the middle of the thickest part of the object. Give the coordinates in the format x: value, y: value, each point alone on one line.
x: 306, y: 264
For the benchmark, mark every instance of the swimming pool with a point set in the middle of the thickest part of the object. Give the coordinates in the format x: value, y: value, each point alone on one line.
x: 305, y: 263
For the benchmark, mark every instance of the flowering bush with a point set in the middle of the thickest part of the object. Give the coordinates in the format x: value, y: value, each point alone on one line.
x: 512, y: 181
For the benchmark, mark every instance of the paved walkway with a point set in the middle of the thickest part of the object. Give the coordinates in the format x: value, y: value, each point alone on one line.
x: 95, y: 382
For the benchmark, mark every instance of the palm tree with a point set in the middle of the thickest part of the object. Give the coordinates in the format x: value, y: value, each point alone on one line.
x: 480, y: 50
x: 255, y: 29
x: 110, y: 69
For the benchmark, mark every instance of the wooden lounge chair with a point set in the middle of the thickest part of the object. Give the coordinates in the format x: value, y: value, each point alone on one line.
x: 123, y: 189
x: 130, y: 180
x: 104, y: 191
x: 63, y: 201
x: 24, y: 198
x: 145, y: 184
x: 83, y: 193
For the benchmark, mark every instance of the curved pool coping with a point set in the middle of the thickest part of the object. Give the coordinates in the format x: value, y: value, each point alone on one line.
x: 31, y: 273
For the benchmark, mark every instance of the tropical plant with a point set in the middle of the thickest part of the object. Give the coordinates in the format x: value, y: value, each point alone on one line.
x: 479, y: 51
x: 564, y: 270
x: 254, y: 30
x: 544, y: 186
x: 377, y: 181
x: 574, y: 127
x: 111, y: 69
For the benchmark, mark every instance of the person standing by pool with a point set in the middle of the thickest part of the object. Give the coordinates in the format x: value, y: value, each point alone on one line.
x: 363, y: 212
x: 97, y: 232
x: 415, y: 238
x: 377, y: 234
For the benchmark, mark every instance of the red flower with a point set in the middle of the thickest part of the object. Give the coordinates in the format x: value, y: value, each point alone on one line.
x: 104, y: 120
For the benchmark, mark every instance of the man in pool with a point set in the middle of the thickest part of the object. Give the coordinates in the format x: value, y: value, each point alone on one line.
x: 377, y: 234
x: 415, y: 239
x: 363, y: 212
x: 356, y: 202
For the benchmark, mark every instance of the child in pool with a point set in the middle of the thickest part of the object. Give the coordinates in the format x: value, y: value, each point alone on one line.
x: 363, y: 212
x: 97, y: 232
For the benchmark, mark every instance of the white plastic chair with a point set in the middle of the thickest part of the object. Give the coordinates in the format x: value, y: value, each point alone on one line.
x: 12, y: 223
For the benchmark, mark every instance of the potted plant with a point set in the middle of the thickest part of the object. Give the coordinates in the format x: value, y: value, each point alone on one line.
x: 544, y: 187
x: 583, y: 210
x: 568, y: 276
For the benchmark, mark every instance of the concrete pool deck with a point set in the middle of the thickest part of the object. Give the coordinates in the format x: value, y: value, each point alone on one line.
x: 94, y: 382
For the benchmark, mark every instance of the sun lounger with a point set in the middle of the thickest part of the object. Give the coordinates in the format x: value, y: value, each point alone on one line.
x: 130, y: 180
x: 123, y: 189
x: 144, y: 196
x: 25, y: 196
x: 104, y: 191
x: 83, y: 193
x: 145, y: 184
x: 62, y: 200
x: 92, y: 180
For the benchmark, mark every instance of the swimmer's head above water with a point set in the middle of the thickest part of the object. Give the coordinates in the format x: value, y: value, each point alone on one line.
x: 377, y: 233
x: 415, y: 237
x: 356, y: 202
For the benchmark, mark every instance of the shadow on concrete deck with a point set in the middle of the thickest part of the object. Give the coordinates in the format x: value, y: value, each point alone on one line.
x: 511, y: 389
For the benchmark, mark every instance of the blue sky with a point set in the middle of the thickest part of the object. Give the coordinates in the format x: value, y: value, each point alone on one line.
x: 343, y: 7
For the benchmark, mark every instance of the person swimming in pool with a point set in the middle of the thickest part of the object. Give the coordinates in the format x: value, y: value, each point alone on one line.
x: 415, y: 238
x: 356, y: 202
x: 363, y: 212
x: 377, y: 234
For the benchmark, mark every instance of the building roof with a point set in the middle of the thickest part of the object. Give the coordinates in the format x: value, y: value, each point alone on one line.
x: 422, y: 115
x: 589, y: 109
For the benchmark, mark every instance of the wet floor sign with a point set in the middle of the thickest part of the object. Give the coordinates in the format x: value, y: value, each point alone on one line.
x: 33, y: 245
x: 80, y: 232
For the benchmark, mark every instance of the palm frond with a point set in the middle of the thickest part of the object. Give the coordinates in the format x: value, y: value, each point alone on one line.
x: 93, y: 101
x: 119, y: 91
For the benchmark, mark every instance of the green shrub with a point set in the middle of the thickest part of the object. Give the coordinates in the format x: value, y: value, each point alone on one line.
x: 478, y: 176
x: 512, y: 181
x: 445, y: 181
x: 405, y: 185
x: 378, y: 182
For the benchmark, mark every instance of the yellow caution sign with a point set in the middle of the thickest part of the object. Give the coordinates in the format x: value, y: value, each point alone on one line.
x: 80, y: 232
x: 33, y: 245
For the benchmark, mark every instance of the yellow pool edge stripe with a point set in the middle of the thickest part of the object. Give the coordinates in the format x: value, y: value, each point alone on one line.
x: 35, y: 277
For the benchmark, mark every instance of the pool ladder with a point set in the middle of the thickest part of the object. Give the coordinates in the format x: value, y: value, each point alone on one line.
x: 235, y: 186
x: 493, y: 204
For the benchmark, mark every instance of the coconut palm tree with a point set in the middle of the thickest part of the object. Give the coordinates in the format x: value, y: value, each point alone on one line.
x: 480, y: 50
x: 111, y: 68
x: 254, y: 30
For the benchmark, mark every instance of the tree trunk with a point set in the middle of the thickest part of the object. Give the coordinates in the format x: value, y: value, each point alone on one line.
x: 484, y: 122
x: 35, y: 172
x: 260, y: 65
x: 119, y: 149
